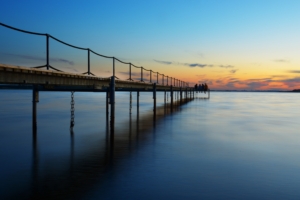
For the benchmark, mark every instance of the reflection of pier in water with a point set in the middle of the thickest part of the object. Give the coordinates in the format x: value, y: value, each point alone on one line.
x: 82, y: 172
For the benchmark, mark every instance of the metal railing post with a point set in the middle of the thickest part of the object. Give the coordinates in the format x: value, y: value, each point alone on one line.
x: 157, y: 77
x: 113, y: 66
x: 89, y: 71
x: 151, y: 76
x: 142, y: 74
x: 47, y: 50
x: 129, y: 71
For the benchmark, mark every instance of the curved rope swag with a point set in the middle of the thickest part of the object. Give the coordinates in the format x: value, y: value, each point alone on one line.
x: 48, y: 66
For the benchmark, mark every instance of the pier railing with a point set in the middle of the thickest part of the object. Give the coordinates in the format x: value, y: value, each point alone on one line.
x: 173, y: 81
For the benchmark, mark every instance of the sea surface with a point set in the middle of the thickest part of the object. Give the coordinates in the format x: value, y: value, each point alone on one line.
x: 235, y: 145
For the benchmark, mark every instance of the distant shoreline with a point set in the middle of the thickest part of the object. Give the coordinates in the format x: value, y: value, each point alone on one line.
x: 294, y: 91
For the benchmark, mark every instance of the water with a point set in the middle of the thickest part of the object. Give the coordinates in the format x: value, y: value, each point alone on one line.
x: 232, y: 146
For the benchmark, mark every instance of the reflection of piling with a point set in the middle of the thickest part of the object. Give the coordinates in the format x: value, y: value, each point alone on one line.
x: 35, y: 161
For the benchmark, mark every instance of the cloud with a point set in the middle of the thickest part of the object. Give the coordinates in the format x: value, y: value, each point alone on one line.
x: 28, y: 57
x: 208, y: 65
x: 294, y: 71
x: 163, y: 62
x: 233, y: 71
x: 226, y: 66
x: 281, y: 61
x: 279, y: 76
x: 198, y: 65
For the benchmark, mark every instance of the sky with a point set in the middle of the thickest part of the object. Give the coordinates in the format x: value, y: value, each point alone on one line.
x: 228, y: 44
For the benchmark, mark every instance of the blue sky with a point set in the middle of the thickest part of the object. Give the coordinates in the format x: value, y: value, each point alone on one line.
x: 230, y: 40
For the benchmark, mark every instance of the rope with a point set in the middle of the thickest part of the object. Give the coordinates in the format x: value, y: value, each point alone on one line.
x: 16, y: 29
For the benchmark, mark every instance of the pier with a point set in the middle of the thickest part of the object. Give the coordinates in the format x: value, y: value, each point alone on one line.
x: 49, y: 78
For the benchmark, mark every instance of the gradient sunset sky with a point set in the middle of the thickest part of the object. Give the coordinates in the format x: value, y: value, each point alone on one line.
x: 229, y: 44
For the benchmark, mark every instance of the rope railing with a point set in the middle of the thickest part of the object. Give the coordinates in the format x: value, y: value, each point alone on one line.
x: 175, y: 82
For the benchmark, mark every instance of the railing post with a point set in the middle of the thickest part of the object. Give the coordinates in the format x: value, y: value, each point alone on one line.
x: 113, y: 66
x: 142, y: 74
x: 129, y: 71
x: 157, y: 77
x: 47, y: 51
x: 163, y: 80
x: 151, y: 76
x: 167, y: 80
x: 89, y: 71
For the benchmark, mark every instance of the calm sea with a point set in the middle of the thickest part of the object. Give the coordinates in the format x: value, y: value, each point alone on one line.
x: 235, y: 145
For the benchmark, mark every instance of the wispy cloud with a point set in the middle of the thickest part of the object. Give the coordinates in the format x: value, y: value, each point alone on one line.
x: 226, y: 66
x: 163, y: 62
x: 279, y: 76
x: 208, y: 65
x: 294, y: 71
x: 36, y: 58
x: 198, y: 65
x: 281, y: 61
x: 233, y: 71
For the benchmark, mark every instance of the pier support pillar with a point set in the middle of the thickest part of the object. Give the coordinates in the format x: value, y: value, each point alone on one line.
x: 72, y: 121
x: 171, y: 97
x: 186, y: 92
x: 138, y: 102
x: 154, y: 100
x: 107, y: 105
x: 130, y: 102
x: 112, y: 103
x: 35, y: 100
x: 180, y: 95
